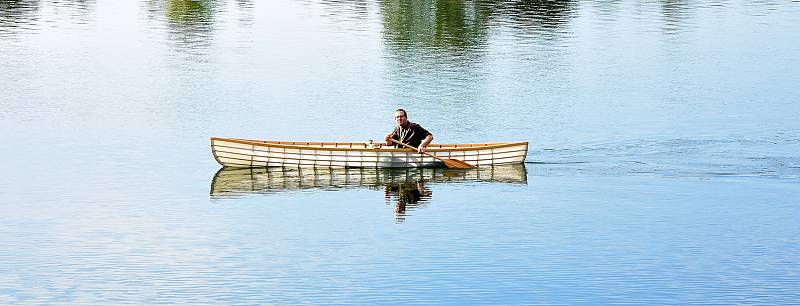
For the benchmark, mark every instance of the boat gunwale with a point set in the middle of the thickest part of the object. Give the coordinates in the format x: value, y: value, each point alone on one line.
x: 301, y: 160
x: 307, y: 145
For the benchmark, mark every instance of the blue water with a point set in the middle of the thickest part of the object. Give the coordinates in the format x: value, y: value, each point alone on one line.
x: 663, y: 165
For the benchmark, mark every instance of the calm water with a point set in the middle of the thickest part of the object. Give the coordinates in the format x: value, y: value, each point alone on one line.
x: 664, y: 161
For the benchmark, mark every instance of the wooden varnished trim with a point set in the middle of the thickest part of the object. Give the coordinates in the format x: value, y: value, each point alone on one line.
x: 307, y: 145
x: 249, y: 159
x: 257, y: 150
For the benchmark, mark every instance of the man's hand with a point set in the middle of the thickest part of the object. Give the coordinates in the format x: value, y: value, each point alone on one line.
x: 389, y: 139
x: 424, y: 144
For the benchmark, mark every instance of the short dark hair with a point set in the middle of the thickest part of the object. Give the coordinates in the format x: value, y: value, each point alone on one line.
x: 401, y: 110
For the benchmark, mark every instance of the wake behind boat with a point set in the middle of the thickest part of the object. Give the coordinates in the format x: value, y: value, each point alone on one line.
x: 247, y: 153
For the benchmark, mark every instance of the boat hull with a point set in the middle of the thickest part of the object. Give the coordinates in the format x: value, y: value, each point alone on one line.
x: 246, y: 153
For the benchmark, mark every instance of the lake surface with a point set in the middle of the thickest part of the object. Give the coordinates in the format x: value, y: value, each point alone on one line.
x: 664, y: 161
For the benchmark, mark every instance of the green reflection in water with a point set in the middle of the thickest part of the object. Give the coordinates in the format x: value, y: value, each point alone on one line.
x: 189, y: 24
x: 189, y: 12
x: 434, y: 24
x: 464, y: 25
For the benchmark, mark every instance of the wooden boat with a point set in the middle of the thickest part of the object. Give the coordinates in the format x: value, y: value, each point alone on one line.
x: 234, y: 182
x: 246, y: 153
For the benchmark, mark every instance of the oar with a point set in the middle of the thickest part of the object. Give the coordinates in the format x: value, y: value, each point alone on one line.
x: 450, y: 163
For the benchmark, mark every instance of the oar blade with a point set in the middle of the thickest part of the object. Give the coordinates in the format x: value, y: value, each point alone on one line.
x: 457, y: 164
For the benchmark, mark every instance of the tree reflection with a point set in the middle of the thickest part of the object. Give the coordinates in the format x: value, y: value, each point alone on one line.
x: 675, y: 14
x: 464, y: 25
x: 448, y: 40
x: 342, y: 10
x: 444, y: 24
x: 17, y: 14
x: 246, y: 7
x: 538, y: 18
x: 190, y: 23
x: 189, y: 12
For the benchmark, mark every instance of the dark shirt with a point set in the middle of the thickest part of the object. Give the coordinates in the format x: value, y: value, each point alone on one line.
x: 413, y: 134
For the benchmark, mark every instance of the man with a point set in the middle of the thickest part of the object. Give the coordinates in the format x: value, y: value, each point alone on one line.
x: 409, y: 132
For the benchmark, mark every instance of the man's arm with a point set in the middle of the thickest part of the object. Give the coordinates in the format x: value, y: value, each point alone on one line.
x: 425, y: 143
x: 389, y: 137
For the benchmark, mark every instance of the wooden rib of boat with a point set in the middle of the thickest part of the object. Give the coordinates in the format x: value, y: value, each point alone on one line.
x: 234, y: 182
x: 247, y: 153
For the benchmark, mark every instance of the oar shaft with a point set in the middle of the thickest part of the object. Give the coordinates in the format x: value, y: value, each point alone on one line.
x: 450, y: 163
x: 412, y: 147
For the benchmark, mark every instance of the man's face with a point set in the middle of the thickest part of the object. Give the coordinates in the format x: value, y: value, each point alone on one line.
x: 400, y: 118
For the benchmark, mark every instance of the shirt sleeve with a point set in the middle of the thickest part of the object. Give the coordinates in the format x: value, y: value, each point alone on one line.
x: 422, y: 131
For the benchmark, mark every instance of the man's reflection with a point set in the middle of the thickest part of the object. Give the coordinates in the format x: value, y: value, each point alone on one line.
x: 410, y: 195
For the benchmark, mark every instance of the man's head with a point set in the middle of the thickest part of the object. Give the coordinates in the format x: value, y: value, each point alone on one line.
x: 400, y: 117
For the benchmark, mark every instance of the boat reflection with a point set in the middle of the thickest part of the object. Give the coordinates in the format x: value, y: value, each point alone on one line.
x: 405, y: 188
x: 235, y: 182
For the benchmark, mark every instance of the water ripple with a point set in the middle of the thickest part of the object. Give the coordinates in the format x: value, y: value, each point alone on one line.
x: 767, y: 157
